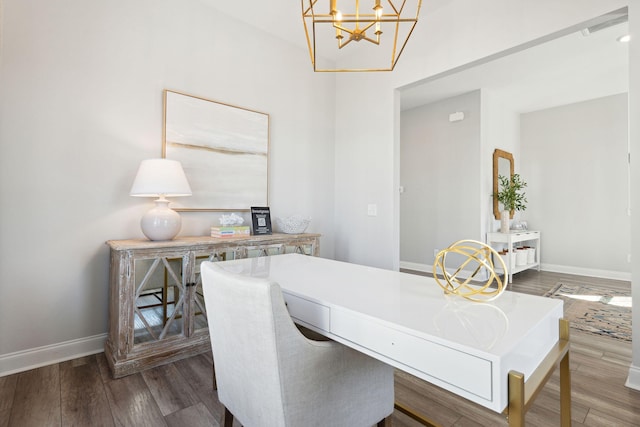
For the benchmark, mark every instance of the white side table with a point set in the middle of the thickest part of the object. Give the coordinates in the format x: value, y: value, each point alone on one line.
x: 511, y: 239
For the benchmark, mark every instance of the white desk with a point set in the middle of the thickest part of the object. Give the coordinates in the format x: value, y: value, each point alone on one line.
x: 406, y: 321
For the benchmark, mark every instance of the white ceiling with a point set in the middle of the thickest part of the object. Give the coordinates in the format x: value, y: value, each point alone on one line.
x: 283, y: 18
x: 566, y: 70
x: 280, y: 18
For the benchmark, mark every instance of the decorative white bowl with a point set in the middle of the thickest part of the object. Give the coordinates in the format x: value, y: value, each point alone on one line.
x: 295, y: 224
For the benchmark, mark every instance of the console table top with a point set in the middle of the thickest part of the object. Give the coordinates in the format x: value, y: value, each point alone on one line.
x: 127, y: 244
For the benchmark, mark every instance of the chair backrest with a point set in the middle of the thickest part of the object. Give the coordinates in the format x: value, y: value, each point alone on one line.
x: 251, y: 332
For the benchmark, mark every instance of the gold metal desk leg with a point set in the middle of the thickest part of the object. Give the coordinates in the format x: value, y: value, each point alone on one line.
x: 520, y: 398
x: 565, y: 379
x: 522, y: 394
x: 415, y: 415
x: 516, y: 399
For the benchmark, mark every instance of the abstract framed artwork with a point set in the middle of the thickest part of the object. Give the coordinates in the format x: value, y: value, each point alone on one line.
x: 224, y: 151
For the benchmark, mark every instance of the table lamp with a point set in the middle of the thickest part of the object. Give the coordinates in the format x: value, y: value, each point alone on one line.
x: 160, y: 178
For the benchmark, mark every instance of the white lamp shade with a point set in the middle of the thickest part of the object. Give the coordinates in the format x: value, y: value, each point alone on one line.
x: 160, y: 177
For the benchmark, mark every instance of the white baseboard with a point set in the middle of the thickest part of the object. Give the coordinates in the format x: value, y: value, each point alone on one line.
x: 604, y: 274
x: 49, y: 354
x: 633, y: 380
x: 426, y: 268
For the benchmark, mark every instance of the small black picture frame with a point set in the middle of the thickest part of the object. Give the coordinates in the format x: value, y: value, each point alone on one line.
x: 260, y: 221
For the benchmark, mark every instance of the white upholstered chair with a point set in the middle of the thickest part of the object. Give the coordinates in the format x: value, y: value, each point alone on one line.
x: 269, y: 374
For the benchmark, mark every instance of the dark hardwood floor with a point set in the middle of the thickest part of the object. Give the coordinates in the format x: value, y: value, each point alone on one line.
x: 81, y: 392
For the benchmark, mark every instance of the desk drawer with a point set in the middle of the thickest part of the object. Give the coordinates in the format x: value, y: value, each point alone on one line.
x: 307, y: 311
x: 454, y: 367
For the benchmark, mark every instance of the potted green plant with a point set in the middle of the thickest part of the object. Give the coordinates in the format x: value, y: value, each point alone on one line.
x: 512, y: 198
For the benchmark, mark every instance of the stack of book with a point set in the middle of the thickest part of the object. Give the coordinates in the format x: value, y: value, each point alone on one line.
x: 231, y: 231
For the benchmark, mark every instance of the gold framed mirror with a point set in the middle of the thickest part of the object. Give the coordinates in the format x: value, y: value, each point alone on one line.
x: 502, y: 164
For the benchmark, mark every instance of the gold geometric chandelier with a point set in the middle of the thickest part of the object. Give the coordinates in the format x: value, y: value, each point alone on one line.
x: 381, y: 29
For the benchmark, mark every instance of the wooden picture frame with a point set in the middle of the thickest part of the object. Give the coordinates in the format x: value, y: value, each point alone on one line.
x: 502, y: 163
x: 224, y: 151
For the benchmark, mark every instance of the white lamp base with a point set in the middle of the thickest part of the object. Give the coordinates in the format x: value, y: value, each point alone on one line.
x: 161, y: 222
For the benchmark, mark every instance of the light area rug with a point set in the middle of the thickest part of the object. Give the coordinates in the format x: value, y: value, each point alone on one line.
x: 596, y: 310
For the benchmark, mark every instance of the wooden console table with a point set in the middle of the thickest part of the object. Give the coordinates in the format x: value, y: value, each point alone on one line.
x: 156, y: 310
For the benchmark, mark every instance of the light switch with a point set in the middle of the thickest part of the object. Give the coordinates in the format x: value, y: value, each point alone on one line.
x: 372, y: 210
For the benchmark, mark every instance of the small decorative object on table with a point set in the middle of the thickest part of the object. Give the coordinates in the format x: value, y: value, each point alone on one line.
x: 234, y: 231
x: 261, y: 220
x: 231, y: 220
x: 295, y: 224
x: 512, y: 198
x: 476, y: 253
x: 231, y: 226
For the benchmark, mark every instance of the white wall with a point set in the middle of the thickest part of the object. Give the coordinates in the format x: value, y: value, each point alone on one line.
x: 81, y: 105
x: 450, y: 34
x: 574, y: 158
x: 364, y: 169
x: 634, y: 146
x: 500, y: 128
x: 439, y: 168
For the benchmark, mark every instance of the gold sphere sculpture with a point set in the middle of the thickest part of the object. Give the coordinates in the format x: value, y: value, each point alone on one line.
x: 477, y: 256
